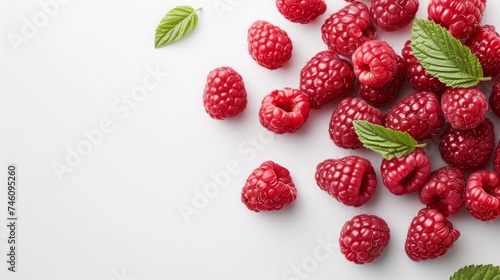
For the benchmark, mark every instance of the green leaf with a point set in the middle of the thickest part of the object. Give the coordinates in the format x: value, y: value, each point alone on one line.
x: 385, y: 141
x: 477, y: 272
x: 444, y: 56
x: 176, y: 24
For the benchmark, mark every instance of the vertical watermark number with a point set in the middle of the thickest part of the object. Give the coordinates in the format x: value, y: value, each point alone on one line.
x: 12, y: 178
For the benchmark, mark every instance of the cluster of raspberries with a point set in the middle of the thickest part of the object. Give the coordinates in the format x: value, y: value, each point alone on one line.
x: 355, y: 60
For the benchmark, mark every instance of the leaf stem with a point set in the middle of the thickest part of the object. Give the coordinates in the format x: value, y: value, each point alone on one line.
x: 197, y: 10
x: 484, y: 79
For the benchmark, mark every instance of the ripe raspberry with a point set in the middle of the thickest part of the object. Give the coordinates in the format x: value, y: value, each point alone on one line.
x: 284, y: 111
x: 494, y: 100
x: 344, y: 31
x: 430, y: 236
x: 378, y: 96
x: 468, y: 149
x: 326, y: 77
x: 496, y: 159
x: 363, y: 238
x: 406, y: 174
x: 485, y: 44
x: 444, y: 190
x: 464, y: 108
x: 375, y: 63
x: 224, y: 95
x: 341, y: 127
x: 419, y: 114
x: 460, y: 17
x: 393, y: 15
x: 301, y: 11
x: 269, y: 45
x: 418, y: 78
x: 482, y: 195
x: 268, y: 188
x: 351, y: 180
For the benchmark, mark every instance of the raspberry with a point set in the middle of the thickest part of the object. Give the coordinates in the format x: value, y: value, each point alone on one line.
x: 406, y: 174
x: 268, y: 188
x: 364, y: 238
x: 375, y: 63
x: 391, y: 15
x: 341, y: 127
x: 444, y: 190
x: 430, y: 236
x: 418, y: 78
x: 284, y: 111
x: 419, y: 114
x: 494, y: 100
x: 301, y: 11
x: 496, y: 159
x: 224, y: 95
x: 464, y: 108
x: 485, y: 44
x: 269, y: 45
x: 351, y: 180
x: 482, y: 195
x: 326, y: 77
x: 344, y: 31
x: 468, y: 149
x: 378, y: 96
x: 460, y: 17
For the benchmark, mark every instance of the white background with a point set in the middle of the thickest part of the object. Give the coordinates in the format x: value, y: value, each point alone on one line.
x: 115, y: 214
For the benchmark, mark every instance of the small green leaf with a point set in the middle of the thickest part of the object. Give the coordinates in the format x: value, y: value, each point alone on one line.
x: 385, y: 141
x: 477, y: 272
x: 444, y: 56
x: 176, y: 24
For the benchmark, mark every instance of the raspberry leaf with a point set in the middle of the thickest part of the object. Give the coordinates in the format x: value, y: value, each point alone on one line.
x: 444, y: 56
x: 175, y: 25
x: 385, y: 141
x: 477, y: 272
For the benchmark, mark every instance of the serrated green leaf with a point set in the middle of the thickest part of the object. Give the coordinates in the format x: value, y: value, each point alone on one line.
x: 385, y: 141
x: 175, y: 25
x: 444, y: 56
x: 477, y: 272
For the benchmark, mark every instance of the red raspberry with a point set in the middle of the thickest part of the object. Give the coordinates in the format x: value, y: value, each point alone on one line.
x: 391, y: 15
x: 268, y: 188
x: 464, y: 108
x: 468, y: 149
x: 344, y: 31
x: 378, y: 96
x: 418, y: 78
x: 341, y: 128
x: 375, y: 63
x: 444, y: 190
x: 326, y: 77
x: 284, y: 111
x: 301, y: 11
x: 494, y: 100
x: 363, y: 238
x: 460, y: 17
x: 224, y: 95
x: 430, y: 236
x: 419, y: 114
x: 485, y: 44
x: 269, y: 45
x: 496, y: 159
x: 406, y: 174
x: 351, y: 180
x: 482, y: 195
